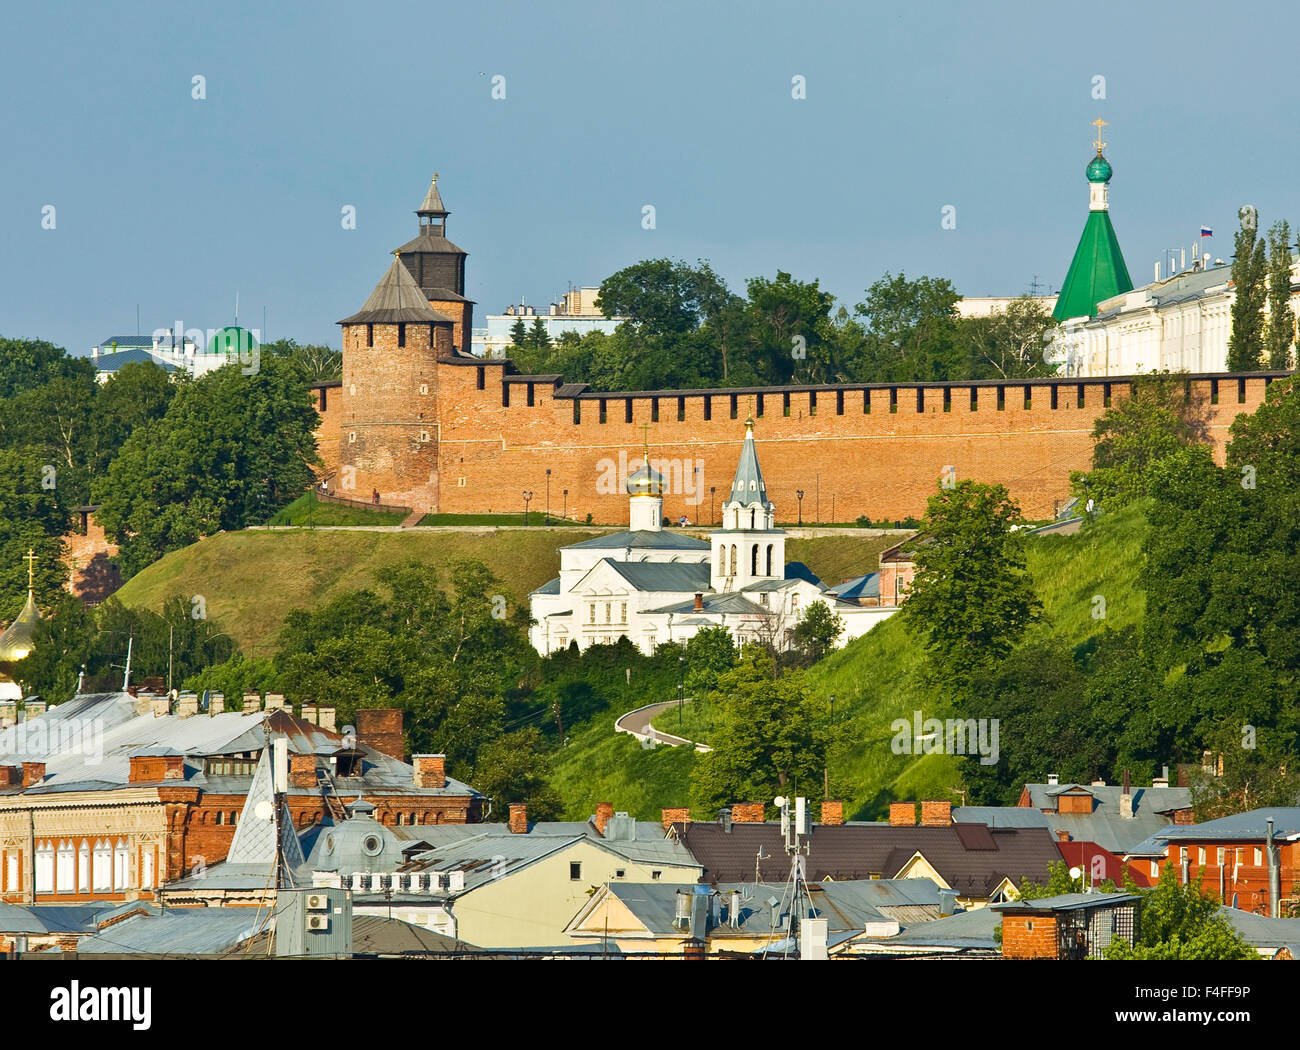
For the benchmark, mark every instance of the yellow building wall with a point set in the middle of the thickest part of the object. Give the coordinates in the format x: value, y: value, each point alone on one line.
x: 532, y: 907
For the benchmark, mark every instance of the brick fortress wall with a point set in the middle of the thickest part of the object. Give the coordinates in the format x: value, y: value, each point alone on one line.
x: 853, y: 450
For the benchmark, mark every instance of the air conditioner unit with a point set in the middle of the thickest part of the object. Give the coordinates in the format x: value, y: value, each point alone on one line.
x: 318, y: 902
x: 320, y: 923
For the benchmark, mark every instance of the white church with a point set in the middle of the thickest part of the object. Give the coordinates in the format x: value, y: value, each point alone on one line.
x: 655, y: 586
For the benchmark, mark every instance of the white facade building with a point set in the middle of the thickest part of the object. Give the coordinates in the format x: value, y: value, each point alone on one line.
x: 653, y: 586
x: 577, y: 312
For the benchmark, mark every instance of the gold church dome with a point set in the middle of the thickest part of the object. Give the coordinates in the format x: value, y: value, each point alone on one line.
x: 645, y: 481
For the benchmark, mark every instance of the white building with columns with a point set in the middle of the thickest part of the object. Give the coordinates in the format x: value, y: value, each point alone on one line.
x: 654, y: 586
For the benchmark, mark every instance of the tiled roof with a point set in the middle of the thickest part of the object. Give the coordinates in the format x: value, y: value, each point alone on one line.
x: 396, y: 299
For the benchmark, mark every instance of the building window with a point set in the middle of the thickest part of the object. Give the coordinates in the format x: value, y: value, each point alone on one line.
x: 45, y: 868
x: 352, y: 437
x: 424, y: 435
x: 370, y: 335
x: 575, y: 870
x: 1155, y: 869
x: 401, y: 334
x: 424, y: 388
x: 64, y: 865
x: 83, y: 867
x: 620, y: 873
x: 593, y: 614
x: 733, y: 561
x: 1220, y: 856
x: 102, y: 866
x: 120, y: 874
x: 608, y: 606
x: 146, y: 873
x: 352, y: 388
x: 1200, y: 855
x: 1259, y: 856
x: 655, y: 874
x: 622, y: 612
x: 769, y: 559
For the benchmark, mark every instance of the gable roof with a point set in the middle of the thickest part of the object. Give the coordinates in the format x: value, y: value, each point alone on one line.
x: 1152, y: 809
x: 663, y: 576
x: 397, y: 299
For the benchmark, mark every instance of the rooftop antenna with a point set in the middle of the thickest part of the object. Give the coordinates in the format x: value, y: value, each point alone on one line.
x: 126, y: 677
x: 1034, y: 285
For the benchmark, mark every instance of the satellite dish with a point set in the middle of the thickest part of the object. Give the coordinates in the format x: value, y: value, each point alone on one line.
x: 263, y: 810
x: 1075, y: 872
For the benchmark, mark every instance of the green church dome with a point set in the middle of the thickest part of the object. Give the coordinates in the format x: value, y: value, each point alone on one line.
x: 1099, y: 169
x: 232, y: 340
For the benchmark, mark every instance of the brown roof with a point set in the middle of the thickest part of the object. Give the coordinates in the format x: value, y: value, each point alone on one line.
x: 972, y: 862
x: 397, y: 299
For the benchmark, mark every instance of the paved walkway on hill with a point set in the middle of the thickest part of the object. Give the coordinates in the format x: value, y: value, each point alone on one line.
x: 637, y: 723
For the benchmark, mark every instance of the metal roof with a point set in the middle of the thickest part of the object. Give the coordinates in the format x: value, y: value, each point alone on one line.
x: 965, y: 930
x: 666, y: 576
x: 1000, y: 816
x: 747, y: 486
x: 643, y: 539
x: 1104, y: 825
x: 867, y: 586
x: 1250, y: 826
x: 1067, y: 902
x: 178, y: 931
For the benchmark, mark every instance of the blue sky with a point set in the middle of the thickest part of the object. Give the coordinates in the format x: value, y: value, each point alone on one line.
x: 176, y: 204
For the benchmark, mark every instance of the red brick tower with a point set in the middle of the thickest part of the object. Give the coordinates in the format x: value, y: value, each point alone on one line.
x: 388, y: 439
x: 438, y: 267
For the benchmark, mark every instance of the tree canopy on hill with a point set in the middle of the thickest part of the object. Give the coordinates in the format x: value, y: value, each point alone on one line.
x: 228, y: 452
x: 685, y: 329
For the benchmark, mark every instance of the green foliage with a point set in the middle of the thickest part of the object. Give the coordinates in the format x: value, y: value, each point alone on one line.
x: 710, y: 653
x: 1156, y: 429
x: 769, y: 733
x: 1281, y: 319
x: 971, y: 599
x: 230, y: 450
x: 233, y: 678
x: 1010, y: 343
x: 1250, y: 280
x: 816, y: 633
x: 27, y: 364
x: 312, y: 362
x: 1059, y: 882
x: 309, y: 510
x: 1180, y: 922
x: 515, y: 768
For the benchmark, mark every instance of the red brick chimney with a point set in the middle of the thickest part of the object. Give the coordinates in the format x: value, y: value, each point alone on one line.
x: 149, y: 769
x: 33, y: 773
x: 430, y: 770
x: 699, y: 601
x: 936, y: 814
x: 604, y: 810
x: 302, y: 771
x: 680, y: 815
x: 381, y: 729
x: 832, y: 812
x: 902, y: 814
x: 11, y: 776
x: 518, y: 818
x: 747, y: 813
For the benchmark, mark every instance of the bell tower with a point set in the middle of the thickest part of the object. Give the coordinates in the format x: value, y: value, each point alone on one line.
x: 749, y: 548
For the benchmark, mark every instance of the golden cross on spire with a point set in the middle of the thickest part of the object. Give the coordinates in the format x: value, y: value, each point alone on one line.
x: 31, y: 568
x: 1099, y: 124
x: 435, y: 176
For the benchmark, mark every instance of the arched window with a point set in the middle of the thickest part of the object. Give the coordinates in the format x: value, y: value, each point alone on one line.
x: 83, y: 867
x: 102, y: 867
x: 121, y: 873
x: 769, y: 559
x: 64, y: 881
x: 45, y: 867
x: 753, y: 519
x: 733, y: 560
x: 753, y: 558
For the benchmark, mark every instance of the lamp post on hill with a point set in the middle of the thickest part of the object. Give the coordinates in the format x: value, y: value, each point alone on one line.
x: 528, y: 498
x: 547, y: 520
x: 799, y: 493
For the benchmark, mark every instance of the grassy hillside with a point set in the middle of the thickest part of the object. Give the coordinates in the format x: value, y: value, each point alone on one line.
x: 876, y: 678
x: 253, y: 579
x: 307, y: 509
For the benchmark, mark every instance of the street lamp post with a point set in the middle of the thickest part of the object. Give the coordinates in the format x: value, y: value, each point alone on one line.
x: 799, y: 493
x: 547, y: 519
x: 528, y: 498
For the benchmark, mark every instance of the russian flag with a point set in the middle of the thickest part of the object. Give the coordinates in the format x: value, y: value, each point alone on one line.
x: 1206, y: 232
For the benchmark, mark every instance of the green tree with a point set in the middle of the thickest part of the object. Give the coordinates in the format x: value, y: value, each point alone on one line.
x: 136, y: 394
x: 710, y: 653
x: 911, y: 331
x: 768, y: 735
x: 538, y: 338
x: 790, y: 332
x: 1008, y: 344
x: 817, y: 632
x: 1180, y: 922
x: 62, y: 645
x: 514, y: 768
x: 971, y: 598
x: 1159, y: 424
x: 26, y: 364
x: 1249, y: 279
x: 519, y: 334
x: 663, y: 296
x: 230, y: 451
x: 1281, y: 319
x: 1059, y: 882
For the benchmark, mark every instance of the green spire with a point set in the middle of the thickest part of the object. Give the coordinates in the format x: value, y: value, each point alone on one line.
x: 1097, y: 271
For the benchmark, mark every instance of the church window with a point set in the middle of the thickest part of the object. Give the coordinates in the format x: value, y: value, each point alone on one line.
x: 758, y: 406
x: 762, y: 598
x: 734, y: 405
x: 794, y: 602
x: 753, y: 518
x: 753, y: 571
x: 654, y: 410
x: 221, y: 817
x: 11, y: 872
x: 622, y: 612
x: 769, y: 559
x: 627, y: 411
x: 608, y: 606
x: 733, y: 561
x: 83, y: 867
x: 146, y: 875
x: 45, y: 868
x: 64, y: 864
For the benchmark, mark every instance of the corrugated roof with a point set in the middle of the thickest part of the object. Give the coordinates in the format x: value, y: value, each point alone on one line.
x: 1248, y: 826
x: 178, y: 931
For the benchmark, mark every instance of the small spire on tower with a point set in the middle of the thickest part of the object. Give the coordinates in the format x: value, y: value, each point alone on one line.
x: 31, y: 570
x: 1099, y: 124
